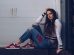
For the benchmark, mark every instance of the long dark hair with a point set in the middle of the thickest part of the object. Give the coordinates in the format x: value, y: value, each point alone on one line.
x: 49, y: 25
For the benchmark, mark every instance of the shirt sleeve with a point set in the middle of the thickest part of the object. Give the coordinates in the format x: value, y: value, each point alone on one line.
x: 39, y: 19
x: 58, y: 32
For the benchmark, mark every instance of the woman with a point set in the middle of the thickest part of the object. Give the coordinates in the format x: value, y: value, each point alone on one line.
x: 45, y: 34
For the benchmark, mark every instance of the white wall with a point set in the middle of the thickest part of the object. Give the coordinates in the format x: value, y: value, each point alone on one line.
x: 17, y: 15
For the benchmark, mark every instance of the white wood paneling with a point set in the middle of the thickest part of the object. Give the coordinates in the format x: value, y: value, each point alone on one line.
x: 17, y: 15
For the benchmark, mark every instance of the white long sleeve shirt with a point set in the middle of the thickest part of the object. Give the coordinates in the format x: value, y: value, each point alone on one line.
x: 57, y: 29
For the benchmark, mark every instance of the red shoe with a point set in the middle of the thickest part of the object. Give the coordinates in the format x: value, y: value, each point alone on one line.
x: 13, y: 45
x: 28, y: 45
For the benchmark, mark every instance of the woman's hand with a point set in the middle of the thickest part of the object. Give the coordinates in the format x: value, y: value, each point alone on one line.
x: 59, y: 50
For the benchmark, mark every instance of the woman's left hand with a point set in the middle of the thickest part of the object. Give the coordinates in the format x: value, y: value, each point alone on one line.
x: 59, y: 50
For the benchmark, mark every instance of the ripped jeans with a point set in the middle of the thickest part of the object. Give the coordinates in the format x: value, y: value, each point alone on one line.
x: 37, y: 37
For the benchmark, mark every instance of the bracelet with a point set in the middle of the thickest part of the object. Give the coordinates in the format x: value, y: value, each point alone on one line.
x: 43, y: 15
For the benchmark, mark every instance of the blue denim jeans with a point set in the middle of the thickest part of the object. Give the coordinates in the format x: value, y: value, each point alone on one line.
x: 37, y: 37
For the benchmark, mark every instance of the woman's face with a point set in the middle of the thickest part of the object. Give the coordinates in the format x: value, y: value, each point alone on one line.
x: 50, y: 15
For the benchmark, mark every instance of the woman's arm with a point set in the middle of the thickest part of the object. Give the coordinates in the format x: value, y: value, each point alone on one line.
x: 58, y: 32
x: 39, y: 19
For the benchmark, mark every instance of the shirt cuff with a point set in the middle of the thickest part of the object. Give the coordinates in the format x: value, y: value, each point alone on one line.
x: 60, y: 46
